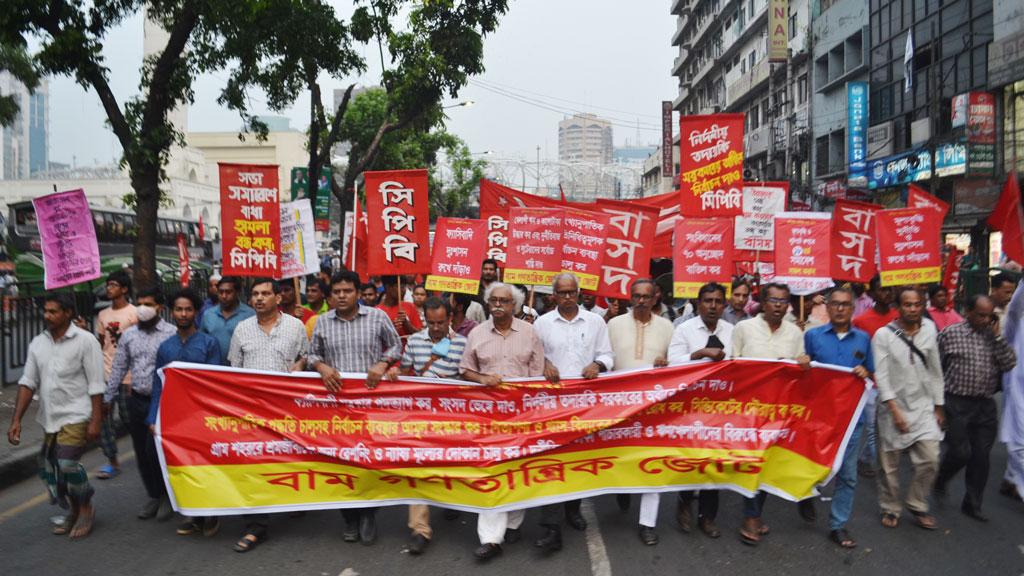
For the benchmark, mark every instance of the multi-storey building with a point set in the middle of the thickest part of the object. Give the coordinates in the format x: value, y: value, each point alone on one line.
x: 24, y: 145
x: 584, y: 146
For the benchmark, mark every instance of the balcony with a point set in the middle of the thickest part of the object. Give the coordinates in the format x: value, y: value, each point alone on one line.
x: 747, y: 82
x: 756, y: 141
x: 677, y: 65
x: 680, y: 6
x: 677, y: 37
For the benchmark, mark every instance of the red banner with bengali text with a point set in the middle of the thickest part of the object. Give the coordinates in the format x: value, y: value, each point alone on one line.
x: 398, y: 216
x: 628, y: 246
x: 908, y: 246
x: 802, y: 251
x: 457, y: 256
x: 918, y: 197
x: 250, y: 220
x: 853, y: 241
x: 534, y: 245
x: 240, y: 441
x: 583, y: 240
x: 711, y: 165
x: 704, y: 249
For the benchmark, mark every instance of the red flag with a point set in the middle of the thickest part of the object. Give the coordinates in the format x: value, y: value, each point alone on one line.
x: 1007, y: 218
x: 357, y: 261
x: 562, y: 192
x: 951, y: 274
x: 918, y: 197
x: 202, y: 231
x: 184, y: 272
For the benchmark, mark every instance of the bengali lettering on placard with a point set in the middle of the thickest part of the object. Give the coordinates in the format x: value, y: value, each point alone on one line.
x: 71, y: 253
x: 398, y: 214
x: 711, y: 165
x: 908, y: 246
x: 703, y: 254
x: 535, y: 245
x: 583, y: 241
x: 459, y: 246
x: 250, y: 219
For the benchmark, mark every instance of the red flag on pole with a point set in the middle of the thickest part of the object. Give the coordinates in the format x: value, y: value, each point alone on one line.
x: 356, y: 260
x: 1007, y: 218
x: 202, y: 231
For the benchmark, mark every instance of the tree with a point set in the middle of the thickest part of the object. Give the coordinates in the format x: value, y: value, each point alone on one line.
x: 450, y: 195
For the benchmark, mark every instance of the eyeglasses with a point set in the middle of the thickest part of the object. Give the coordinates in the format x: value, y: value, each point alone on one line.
x: 567, y: 293
x: 499, y: 301
x: 643, y: 296
x: 841, y: 305
x: 777, y: 301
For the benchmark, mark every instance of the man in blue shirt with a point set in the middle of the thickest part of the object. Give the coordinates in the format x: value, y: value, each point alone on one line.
x: 839, y: 343
x: 221, y: 320
x: 188, y: 345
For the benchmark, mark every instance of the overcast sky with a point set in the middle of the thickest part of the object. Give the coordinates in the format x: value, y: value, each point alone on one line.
x: 546, y: 60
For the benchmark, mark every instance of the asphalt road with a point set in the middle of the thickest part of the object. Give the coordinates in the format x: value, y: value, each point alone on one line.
x: 312, y: 544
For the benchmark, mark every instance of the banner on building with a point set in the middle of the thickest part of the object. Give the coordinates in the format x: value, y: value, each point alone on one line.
x: 667, y: 165
x: 628, y: 246
x: 908, y: 246
x: 67, y: 237
x: 857, y: 133
x: 286, y: 445
x: 802, y: 255
x: 583, y: 245
x: 457, y: 256
x: 250, y: 219
x: 703, y: 254
x: 298, y: 240
x: 711, y: 165
x: 975, y: 113
x: 534, y: 245
x: 755, y: 229
x: 398, y: 213
x: 778, y: 30
x: 853, y: 241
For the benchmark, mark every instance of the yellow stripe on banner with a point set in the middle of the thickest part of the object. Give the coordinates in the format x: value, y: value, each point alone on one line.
x: 452, y: 284
x: 320, y: 484
x: 587, y: 281
x: 528, y: 277
x: 691, y: 289
x: 912, y: 276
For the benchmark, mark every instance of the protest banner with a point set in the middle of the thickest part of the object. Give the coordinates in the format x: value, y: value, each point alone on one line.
x: 628, y: 246
x: 298, y: 240
x: 250, y: 219
x: 918, y: 197
x: 286, y: 445
x: 853, y: 241
x: 68, y: 239
x: 755, y: 229
x: 802, y: 251
x: 459, y: 246
x: 703, y: 254
x: 355, y: 251
x: 184, y: 272
x: 398, y: 216
x: 534, y: 245
x: 951, y: 272
x: 583, y: 240
x: 908, y: 246
x: 711, y: 165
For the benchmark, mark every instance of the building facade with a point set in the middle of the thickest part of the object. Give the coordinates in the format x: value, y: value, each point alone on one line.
x: 585, y: 145
x: 24, y: 145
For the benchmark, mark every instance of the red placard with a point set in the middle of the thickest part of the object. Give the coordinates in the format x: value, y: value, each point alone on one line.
x: 908, y: 246
x: 853, y: 241
x: 250, y: 219
x: 704, y: 249
x: 802, y: 251
x: 534, y: 246
x: 495, y: 202
x: 184, y: 272
x: 711, y: 165
x: 951, y: 274
x: 459, y: 246
x: 628, y: 246
x: 918, y: 197
x: 583, y: 240
x: 398, y: 216
x: 981, y: 118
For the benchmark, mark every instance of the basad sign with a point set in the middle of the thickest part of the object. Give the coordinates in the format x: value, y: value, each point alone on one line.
x: 628, y: 246
x: 287, y: 445
x: 711, y: 165
x: 853, y: 241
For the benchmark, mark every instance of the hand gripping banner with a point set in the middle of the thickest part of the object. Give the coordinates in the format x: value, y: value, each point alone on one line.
x: 234, y: 441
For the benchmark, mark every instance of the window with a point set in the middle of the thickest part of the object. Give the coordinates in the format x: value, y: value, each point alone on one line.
x: 801, y: 89
x: 792, y: 25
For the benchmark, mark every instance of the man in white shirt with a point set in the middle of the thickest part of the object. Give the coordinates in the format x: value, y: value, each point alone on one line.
x: 703, y: 336
x: 640, y: 339
x: 576, y: 345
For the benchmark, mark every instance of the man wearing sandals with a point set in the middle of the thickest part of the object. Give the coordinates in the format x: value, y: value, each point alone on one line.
x: 839, y: 343
x: 65, y: 367
x: 908, y: 372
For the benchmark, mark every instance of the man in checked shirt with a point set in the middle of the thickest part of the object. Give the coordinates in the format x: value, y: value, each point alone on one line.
x: 353, y: 338
x: 974, y: 358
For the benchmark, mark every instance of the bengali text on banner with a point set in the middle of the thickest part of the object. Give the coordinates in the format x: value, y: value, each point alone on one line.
x: 755, y: 229
x: 534, y: 246
x: 457, y: 256
x: 583, y: 241
x: 67, y: 234
x: 711, y: 165
x: 908, y: 246
x: 628, y: 246
x: 287, y: 444
x: 250, y: 219
x: 398, y: 217
x: 802, y: 251
x: 703, y: 254
x: 853, y: 241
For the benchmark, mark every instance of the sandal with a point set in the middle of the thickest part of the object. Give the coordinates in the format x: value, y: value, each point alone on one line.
x: 925, y: 520
x: 108, y: 472
x: 750, y: 533
x: 842, y: 538
x: 63, y: 528
x: 890, y: 520
x: 253, y: 537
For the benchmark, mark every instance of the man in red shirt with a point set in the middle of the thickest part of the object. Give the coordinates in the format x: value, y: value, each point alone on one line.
x: 290, y: 303
x: 881, y: 313
x: 403, y: 315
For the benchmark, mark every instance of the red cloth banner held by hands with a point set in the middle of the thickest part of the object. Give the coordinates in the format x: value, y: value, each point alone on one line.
x: 918, y: 197
x: 1008, y: 218
x: 583, y: 241
x: 853, y: 241
x: 951, y: 273
x: 250, y: 220
x: 703, y: 254
x: 398, y: 214
x: 628, y: 246
x: 459, y: 246
x: 802, y: 251
x: 711, y: 165
x: 908, y: 246
x: 535, y: 245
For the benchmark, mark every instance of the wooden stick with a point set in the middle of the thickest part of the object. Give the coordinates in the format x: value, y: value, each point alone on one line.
x: 298, y: 295
x: 530, y: 301
x: 802, y: 321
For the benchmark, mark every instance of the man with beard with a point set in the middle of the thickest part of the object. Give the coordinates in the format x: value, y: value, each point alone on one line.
x: 221, y: 320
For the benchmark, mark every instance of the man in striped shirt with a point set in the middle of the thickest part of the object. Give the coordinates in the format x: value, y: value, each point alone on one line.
x: 434, y: 352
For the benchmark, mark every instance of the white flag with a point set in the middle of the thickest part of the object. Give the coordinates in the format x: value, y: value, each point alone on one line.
x: 908, y: 62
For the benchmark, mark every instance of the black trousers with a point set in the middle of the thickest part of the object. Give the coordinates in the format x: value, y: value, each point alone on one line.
x: 353, y: 515
x: 707, y: 502
x: 971, y: 427
x: 550, y: 515
x: 145, y: 446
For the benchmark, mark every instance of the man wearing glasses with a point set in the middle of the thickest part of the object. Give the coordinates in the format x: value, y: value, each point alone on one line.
x: 839, y: 343
x: 499, y: 348
x: 640, y: 339
x: 576, y: 345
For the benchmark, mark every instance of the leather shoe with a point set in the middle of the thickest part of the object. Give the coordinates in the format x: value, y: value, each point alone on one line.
x: 684, y: 516
x: 973, y: 513
x: 513, y: 535
x: 418, y: 544
x: 576, y: 520
x: 648, y: 536
x: 1009, y: 490
x: 150, y: 509
x: 807, y: 511
x: 487, y: 551
x: 551, y: 541
x: 164, y: 511
x: 351, y: 532
x: 368, y: 528
x: 623, y: 501
x: 708, y: 527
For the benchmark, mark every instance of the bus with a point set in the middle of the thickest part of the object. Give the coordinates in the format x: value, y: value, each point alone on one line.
x: 116, y: 233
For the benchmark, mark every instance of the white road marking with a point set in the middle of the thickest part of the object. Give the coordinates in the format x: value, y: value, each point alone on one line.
x: 599, y: 564
x: 348, y: 572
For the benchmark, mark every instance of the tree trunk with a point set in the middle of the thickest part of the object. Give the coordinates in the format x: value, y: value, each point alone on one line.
x: 146, y: 183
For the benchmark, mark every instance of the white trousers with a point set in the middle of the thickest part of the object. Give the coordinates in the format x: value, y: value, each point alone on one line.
x: 491, y: 526
x: 1015, y: 466
x: 649, y: 509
